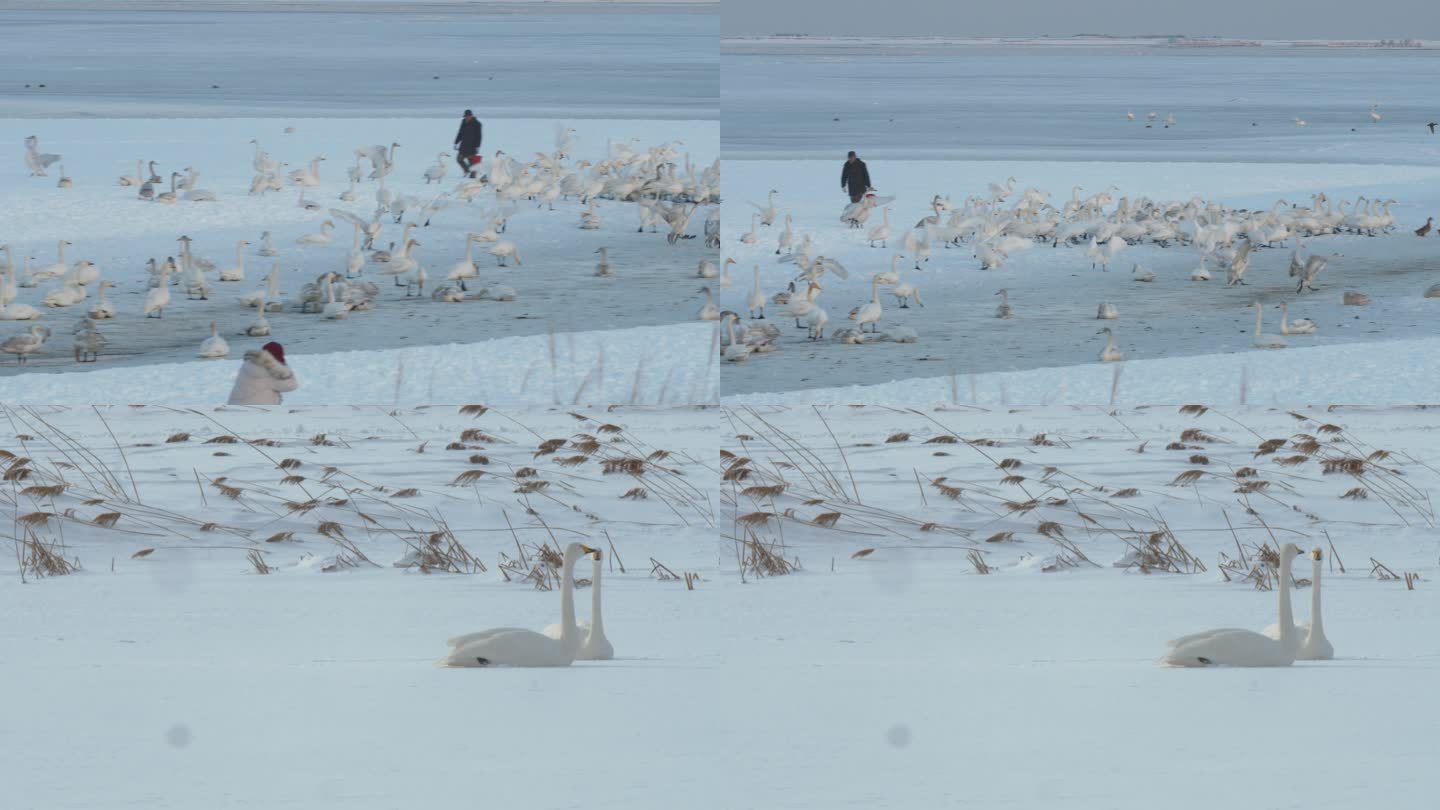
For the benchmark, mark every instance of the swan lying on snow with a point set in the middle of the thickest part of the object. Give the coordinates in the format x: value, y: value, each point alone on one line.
x: 596, y: 646
x: 1236, y: 647
x: 516, y: 647
x: 1315, y: 647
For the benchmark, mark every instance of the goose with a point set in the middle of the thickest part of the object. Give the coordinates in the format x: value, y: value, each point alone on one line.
x: 756, y: 301
x: 436, y: 173
x: 1004, y: 310
x: 261, y: 326
x: 158, y: 298
x: 271, y: 290
x: 595, y: 647
x: 1142, y: 274
x: 768, y: 212
x: 64, y: 182
x: 1262, y: 340
x: 733, y: 351
x: 880, y: 233
x: 169, y: 197
x: 1237, y: 647
x: 753, y: 235
x: 1299, y: 326
x: 324, y: 237
x: 236, y: 273
x: 22, y: 346
x: 603, y: 269
x: 334, y: 310
x: 904, y: 291
x: 138, y: 179
x: 308, y: 205
x: 1111, y: 353
x: 504, y: 250
x: 102, y: 307
x: 68, y: 295
x: 267, y: 246
x: 510, y: 646
x: 1107, y: 312
x: 214, y: 346
x: 88, y: 341
x: 871, y: 312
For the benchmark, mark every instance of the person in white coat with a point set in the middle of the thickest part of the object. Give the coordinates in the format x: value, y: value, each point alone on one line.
x: 263, y: 377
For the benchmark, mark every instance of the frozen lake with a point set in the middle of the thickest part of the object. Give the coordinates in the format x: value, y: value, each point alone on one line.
x: 924, y: 101
x: 503, y: 62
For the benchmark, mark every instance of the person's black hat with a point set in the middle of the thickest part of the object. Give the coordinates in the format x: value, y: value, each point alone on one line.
x: 468, y: 113
x: 852, y: 154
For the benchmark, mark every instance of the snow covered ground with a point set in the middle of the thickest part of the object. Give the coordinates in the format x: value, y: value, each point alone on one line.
x: 1055, y: 118
x: 1036, y: 685
x: 648, y: 365
x: 153, y: 677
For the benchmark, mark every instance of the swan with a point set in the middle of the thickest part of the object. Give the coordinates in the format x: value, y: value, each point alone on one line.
x: 309, y: 176
x: 787, y: 237
x: 88, y: 341
x: 355, y: 259
x: 154, y: 178
x: 137, y: 179
x: 589, y: 219
x: 85, y: 273
x: 756, y: 301
x: 169, y: 197
x: 18, y: 312
x: 103, y: 309
x: 753, y: 235
x: 1299, y: 326
x: 892, y: 276
x: 50, y: 271
x: 214, y: 346
x: 768, y: 212
x: 1107, y: 312
x: 725, y: 278
x: 436, y: 173
x: 324, y: 237
x: 159, y: 297
x: 603, y: 269
x: 1314, y: 646
x: 709, y: 311
x: 1004, y: 310
x: 869, y: 313
x: 334, y: 310
x: 261, y: 326
x: 348, y: 195
x: 64, y: 182
x: 1237, y: 647
x: 36, y: 160
x: 68, y: 295
x: 308, y: 205
x: 1262, y: 340
x: 236, y: 273
x: 904, y: 291
x: 733, y: 352
x: 22, y: 346
x: 503, y: 250
x: 267, y: 247
x: 512, y: 646
x: 1111, y: 353
x: 707, y: 269
x: 465, y: 269
x: 880, y: 233
x: 1201, y: 273
x: 596, y: 646
x: 498, y: 292
x: 1141, y: 274
x: 271, y: 289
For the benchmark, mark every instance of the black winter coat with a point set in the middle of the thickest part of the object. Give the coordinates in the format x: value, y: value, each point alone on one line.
x: 855, y: 176
x: 468, y: 138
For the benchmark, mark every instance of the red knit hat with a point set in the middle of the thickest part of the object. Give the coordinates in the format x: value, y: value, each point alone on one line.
x: 276, y: 351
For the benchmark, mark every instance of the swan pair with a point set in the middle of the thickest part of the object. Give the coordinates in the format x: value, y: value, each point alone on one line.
x: 1279, y: 646
x: 559, y: 646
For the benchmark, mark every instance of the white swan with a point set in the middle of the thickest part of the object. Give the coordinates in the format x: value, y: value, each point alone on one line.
x: 1315, y: 646
x: 871, y: 312
x: 904, y: 291
x: 596, y: 646
x: 709, y: 311
x: 436, y: 173
x: 1111, y: 353
x: 64, y: 181
x: 169, y: 197
x: 271, y: 290
x: 756, y: 301
x: 1201, y: 273
x: 465, y: 269
x: 1142, y: 274
x: 1299, y: 326
x: 137, y: 179
x: 880, y: 233
x: 334, y: 310
x: 1262, y: 340
x: 214, y: 346
x: 236, y: 273
x: 1107, y: 312
x: 103, y: 309
x: 733, y: 351
x: 1237, y: 647
x: 22, y: 346
x: 752, y: 236
x: 261, y: 326
x: 159, y: 297
x: 68, y: 295
x: 88, y: 341
x: 324, y: 237
x: 50, y: 271
x: 267, y: 247
x: 504, y: 250
x: 516, y: 647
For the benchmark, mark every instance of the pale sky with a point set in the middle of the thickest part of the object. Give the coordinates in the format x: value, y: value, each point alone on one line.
x: 1260, y: 19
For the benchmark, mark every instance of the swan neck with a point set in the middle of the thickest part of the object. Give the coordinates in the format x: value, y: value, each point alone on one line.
x: 597, y: 625
x: 1287, y: 618
x: 568, y: 630
x: 1317, y: 627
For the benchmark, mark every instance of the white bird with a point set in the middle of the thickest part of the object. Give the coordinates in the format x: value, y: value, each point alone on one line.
x: 68, y: 295
x: 880, y: 233
x: 511, y: 646
x: 22, y: 346
x: 733, y: 351
x: 261, y: 326
x: 752, y: 236
x: 236, y: 273
x: 1262, y: 340
x: 1237, y: 647
x: 35, y: 160
x: 1201, y: 273
x: 870, y: 312
x: 1314, y: 646
x: 1111, y: 353
x: 595, y: 647
x: 436, y: 173
x: 465, y: 269
x: 64, y: 182
x: 1107, y: 312
x: 214, y: 346
x: 267, y: 247
x: 1142, y: 274
x: 103, y: 309
x: 158, y: 297
x: 768, y: 212
x: 504, y: 250
x: 88, y: 341
x: 904, y: 291
x: 334, y: 310
x: 756, y: 300
x: 1299, y: 326
x: 707, y: 269
x: 324, y: 237
x: 709, y: 311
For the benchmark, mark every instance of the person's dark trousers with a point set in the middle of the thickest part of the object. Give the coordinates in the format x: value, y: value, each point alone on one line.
x: 856, y: 196
x: 464, y: 160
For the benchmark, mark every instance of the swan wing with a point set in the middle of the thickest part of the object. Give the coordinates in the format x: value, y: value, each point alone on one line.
x: 837, y: 268
x: 515, y: 648
x: 339, y: 213
x: 459, y: 641
x: 1229, y: 647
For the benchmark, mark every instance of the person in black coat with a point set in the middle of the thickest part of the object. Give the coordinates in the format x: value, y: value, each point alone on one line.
x: 467, y: 141
x: 855, y: 178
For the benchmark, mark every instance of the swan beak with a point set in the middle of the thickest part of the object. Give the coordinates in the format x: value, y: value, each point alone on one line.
x: 584, y: 549
x: 1314, y: 555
